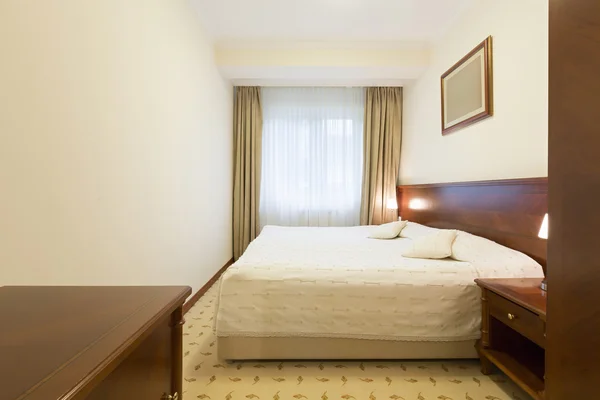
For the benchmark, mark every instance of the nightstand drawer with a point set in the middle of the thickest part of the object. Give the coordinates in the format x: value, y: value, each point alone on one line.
x: 518, y: 318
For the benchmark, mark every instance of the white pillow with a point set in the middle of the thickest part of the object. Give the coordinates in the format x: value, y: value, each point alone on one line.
x: 475, y: 249
x: 436, y: 245
x: 415, y: 231
x: 492, y: 259
x: 388, y: 231
x: 472, y: 248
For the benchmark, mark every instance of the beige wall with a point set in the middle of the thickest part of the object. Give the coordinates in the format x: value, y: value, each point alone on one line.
x: 290, y: 63
x: 511, y: 144
x: 115, y: 145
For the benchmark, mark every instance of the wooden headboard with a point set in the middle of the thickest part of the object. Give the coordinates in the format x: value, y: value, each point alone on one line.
x: 509, y: 212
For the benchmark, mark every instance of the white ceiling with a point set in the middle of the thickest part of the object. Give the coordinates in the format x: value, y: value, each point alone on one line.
x: 325, y: 42
x: 328, y: 20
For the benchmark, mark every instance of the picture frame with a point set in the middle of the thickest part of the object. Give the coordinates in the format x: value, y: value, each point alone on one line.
x: 467, y: 89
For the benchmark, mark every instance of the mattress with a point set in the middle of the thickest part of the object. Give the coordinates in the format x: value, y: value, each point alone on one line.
x: 338, y: 283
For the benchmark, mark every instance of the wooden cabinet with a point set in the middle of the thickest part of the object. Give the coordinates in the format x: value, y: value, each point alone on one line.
x: 513, y: 331
x: 573, y: 330
x: 94, y: 343
x: 518, y: 318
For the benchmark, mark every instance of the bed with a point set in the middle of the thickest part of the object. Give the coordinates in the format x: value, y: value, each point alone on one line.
x: 334, y: 293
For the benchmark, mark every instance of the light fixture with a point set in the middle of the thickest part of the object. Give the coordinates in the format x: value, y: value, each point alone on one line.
x: 543, y: 233
x: 544, y: 228
x: 392, y: 204
x: 418, y: 204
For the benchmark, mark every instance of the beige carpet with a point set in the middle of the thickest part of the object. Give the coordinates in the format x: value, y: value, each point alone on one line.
x: 206, y: 377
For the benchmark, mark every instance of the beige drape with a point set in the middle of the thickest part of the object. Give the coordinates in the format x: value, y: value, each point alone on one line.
x: 247, y: 127
x: 382, y: 140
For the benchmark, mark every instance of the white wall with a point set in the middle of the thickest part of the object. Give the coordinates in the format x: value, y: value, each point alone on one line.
x: 115, y: 145
x: 511, y: 144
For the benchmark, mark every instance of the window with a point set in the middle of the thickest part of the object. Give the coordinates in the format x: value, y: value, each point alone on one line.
x: 312, y: 156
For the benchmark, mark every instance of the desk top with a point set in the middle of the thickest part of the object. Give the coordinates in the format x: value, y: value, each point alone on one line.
x: 56, y: 340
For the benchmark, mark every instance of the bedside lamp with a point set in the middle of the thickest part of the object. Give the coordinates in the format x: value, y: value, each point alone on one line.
x: 544, y: 228
x: 392, y: 205
x: 543, y: 233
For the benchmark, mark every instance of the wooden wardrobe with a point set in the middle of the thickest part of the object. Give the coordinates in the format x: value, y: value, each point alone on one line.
x: 573, y: 317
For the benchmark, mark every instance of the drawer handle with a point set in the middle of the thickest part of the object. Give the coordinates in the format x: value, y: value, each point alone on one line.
x: 512, y: 316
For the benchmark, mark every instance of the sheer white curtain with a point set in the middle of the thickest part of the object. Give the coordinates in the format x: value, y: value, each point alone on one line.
x: 312, y: 156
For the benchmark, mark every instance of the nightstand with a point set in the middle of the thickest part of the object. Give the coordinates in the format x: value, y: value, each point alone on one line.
x: 513, y: 331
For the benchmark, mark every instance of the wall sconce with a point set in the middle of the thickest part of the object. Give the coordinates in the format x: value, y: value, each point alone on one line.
x: 418, y: 204
x: 392, y: 204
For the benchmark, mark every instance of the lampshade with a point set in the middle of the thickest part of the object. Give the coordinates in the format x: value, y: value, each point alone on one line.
x: 544, y: 228
x: 392, y: 204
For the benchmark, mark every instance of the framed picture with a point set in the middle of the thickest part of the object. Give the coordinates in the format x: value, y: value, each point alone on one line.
x: 467, y: 90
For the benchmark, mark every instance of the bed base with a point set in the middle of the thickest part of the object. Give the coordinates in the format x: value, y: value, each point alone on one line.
x: 300, y: 348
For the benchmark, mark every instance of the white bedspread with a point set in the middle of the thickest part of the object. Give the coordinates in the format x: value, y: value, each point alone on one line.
x: 335, y: 282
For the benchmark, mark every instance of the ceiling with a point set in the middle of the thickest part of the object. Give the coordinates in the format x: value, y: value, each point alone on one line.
x: 285, y: 32
x: 325, y: 20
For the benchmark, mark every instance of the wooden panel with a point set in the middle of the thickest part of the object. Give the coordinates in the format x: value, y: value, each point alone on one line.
x: 520, y: 371
x: 509, y: 212
x: 574, y: 196
x: 61, y: 342
x: 523, y: 321
x: 145, y: 374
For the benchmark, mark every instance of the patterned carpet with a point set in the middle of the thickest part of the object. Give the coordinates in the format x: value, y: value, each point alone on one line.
x: 206, y: 377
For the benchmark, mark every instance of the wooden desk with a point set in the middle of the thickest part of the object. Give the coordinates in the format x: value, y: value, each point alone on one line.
x: 91, y: 343
x: 513, y: 331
